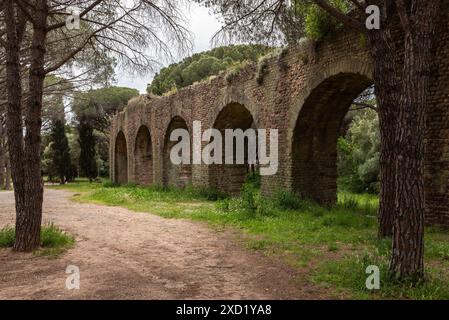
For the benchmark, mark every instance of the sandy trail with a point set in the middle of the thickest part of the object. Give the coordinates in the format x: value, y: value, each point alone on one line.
x: 128, y: 255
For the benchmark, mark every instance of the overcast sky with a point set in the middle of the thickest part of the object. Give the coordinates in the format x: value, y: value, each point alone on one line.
x: 201, y: 23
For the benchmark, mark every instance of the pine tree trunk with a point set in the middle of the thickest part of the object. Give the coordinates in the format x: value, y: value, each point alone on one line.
x: 28, y: 223
x: 2, y: 156
x: 14, y: 107
x: 8, y: 174
x: 408, y: 236
x: 386, y: 85
x: 25, y: 153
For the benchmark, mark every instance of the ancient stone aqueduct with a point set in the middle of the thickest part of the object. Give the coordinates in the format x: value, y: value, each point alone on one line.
x: 305, y: 94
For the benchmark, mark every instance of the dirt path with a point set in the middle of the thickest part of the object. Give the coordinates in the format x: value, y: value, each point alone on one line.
x: 127, y: 255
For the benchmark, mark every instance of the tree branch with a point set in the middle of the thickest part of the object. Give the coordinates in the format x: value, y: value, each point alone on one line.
x: 345, y: 19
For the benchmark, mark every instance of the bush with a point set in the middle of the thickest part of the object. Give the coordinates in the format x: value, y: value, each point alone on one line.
x: 248, y: 198
x: 206, y: 193
x: 286, y: 200
x: 109, y: 184
x: 255, y: 179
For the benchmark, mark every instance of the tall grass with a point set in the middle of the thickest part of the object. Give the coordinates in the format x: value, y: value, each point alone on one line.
x: 53, y: 240
x: 7, y: 235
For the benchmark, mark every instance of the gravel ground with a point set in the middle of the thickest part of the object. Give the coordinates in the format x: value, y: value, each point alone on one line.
x: 128, y: 255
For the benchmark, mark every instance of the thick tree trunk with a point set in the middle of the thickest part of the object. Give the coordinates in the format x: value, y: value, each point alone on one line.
x: 2, y: 155
x: 386, y: 85
x: 25, y: 153
x: 14, y: 107
x: 408, y: 238
x: 8, y: 174
x: 28, y: 222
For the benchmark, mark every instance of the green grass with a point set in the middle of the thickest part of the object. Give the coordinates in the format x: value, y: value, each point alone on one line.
x: 333, y: 245
x: 7, y: 237
x: 348, y: 276
x: 53, y: 240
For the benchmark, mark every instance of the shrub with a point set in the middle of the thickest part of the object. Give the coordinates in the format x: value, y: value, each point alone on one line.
x: 248, y: 197
x: 235, y: 70
x: 207, y: 193
x: 109, y: 184
x: 286, y: 200
x: 254, y: 178
x: 262, y: 69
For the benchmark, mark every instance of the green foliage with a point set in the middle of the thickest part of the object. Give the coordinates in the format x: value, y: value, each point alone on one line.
x: 359, y: 152
x: 53, y: 240
x: 7, y: 237
x: 201, y: 66
x: 109, y: 184
x: 234, y: 71
x: 286, y: 200
x: 93, y: 110
x: 318, y: 23
x: 53, y: 237
x: 254, y: 178
x: 98, y: 104
x: 205, y: 193
x: 60, y: 153
x: 86, y: 140
x: 277, y: 55
x: 55, y: 90
x: 349, y: 275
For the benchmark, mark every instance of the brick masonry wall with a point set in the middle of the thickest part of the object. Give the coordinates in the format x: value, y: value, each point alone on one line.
x: 305, y: 93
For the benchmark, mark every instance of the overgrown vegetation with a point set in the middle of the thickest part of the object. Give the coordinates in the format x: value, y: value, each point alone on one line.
x: 359, y: 152
x: 318, y: 23
x: 201, y: 66
x: 54, y: 241
x: 330, y: 244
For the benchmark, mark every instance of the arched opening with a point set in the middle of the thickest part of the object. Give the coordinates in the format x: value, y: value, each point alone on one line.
x: 121, y: 159
x: 143, y: 157
x: 318, y: 127
x: 230, y: 178
x: 175, y: 175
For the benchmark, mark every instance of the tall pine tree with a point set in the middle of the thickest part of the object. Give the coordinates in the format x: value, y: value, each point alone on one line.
x: 61, y: 151
x: 88, y: 164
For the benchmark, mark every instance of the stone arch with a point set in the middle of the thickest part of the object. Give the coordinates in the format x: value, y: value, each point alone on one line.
x: 230, y: 178
x: 121, y: 159
x: 175, y: 175
x: 143, y: 157
x: 315, y: 135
